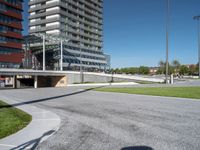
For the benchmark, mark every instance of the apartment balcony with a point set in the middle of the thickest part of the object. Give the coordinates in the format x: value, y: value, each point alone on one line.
x: 42, y: 29
x: 46, y: 6
x: 33, y: 2
x: 89, y: 24
x: 81, y: 33
x: 61, y: 4
x: 65, y: 21
x: 77, y: 39
x: 83, y: 47
x: 85, y: 29
x: 90, y: 5
x: 50, y: 20
x: 83, y: 40
x: 86, y: 60
x: 81, y: 13
x: 84, y: 53
x: 90, y: 36
x: 43, y: 14
x: 85, y: 9
x: 92, y: 43
x: 53, y: 12
x: 93, y: 60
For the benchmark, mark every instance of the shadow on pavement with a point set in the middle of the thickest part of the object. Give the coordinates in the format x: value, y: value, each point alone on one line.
x: 33, y: 143
x: 137, y: 148
x: 49, y: 98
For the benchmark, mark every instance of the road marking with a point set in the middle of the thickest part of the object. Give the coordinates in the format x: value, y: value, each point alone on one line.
x: 6, y: 145
x: 45, y: 119
x: 42, y: 112
x: 14, y: 146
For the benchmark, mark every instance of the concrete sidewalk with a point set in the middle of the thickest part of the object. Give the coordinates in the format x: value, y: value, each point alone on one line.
x: 44, y: 124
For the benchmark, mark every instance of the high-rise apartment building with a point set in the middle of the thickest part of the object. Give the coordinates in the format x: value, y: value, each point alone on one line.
x: 11, y: 54
x: 80, y: 21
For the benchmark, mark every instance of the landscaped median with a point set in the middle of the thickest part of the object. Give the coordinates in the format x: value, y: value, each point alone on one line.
x: 182, y: 92
x: 12, y: 119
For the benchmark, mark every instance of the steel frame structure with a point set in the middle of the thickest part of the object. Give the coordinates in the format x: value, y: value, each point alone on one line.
x: 45, y: 43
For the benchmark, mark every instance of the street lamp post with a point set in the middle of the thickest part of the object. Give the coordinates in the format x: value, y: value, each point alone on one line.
x: 61, y: 55
x: 80, y: 56
x: 44, y: 57
x: 198, y: 29
x: 81, y: 65
x: 167, y: 40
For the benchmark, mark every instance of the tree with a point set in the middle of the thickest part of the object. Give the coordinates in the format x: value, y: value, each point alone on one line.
x: 161, y: 63
x: 162, y: 67
x: 144, y: 70
x: 193, y: 70
x: 159, y: 71
x: 176, y: 65
x: 197, y: 68
x: 183, y: 70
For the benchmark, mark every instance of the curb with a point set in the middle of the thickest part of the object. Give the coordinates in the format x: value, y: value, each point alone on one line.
x: 102, y: 84
x: 43, y: 125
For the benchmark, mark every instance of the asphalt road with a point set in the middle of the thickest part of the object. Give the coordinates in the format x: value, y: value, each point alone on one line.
x: 110, y: 121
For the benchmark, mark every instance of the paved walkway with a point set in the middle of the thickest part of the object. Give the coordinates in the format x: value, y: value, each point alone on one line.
x: 44, y: 124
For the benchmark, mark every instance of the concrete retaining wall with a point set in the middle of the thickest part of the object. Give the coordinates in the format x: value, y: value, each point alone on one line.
x: 93, y: 78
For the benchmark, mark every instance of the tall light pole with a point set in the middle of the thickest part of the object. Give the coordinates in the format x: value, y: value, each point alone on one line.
x: 167, y: 40
x: 80, y: 56
x: 44, y: 49
x: 198, y: 29
x: 81, y: 64
x: 61, y: 55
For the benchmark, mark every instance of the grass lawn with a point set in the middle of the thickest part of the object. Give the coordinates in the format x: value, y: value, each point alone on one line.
x: 12, y: 119
x: 182, y: 92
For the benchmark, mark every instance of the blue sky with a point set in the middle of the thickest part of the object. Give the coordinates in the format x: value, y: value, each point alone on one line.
x: 134, y: 31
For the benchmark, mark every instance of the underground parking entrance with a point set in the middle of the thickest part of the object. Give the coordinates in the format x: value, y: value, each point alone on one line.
x: 39, y: 81
x: 22, y: 78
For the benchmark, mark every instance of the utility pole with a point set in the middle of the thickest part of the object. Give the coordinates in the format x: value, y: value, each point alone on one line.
x: 198, y: 29
x: 167, y: 40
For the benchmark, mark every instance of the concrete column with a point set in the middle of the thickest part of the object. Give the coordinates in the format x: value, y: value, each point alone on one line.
x: 35, y: 82
x: 172, y: 79
x: 14, y: 81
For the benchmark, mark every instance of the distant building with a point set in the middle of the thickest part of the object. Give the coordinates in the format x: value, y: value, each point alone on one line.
x: 190, y: 65
x: 11, y: 53
x: 79, y: 21
x: 153, y: 70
